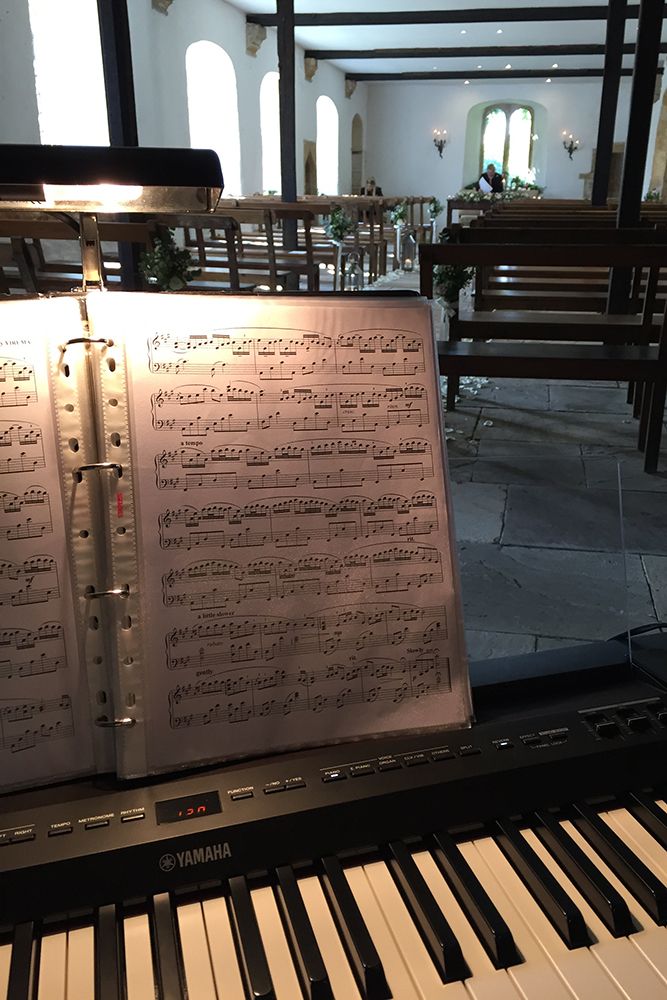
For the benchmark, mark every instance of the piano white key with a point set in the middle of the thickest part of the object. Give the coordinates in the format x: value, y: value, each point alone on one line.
x: 52, y: 972
x: 81, y: 963
x: 195, y: 952
x: 140, y: 979
x: 283, y: 974
x: 652, y: 940
x: 398, y: 977
x: 639, y: 840
x: 342, y: 980
x: 577, y: 967
x: 662, y: 804
x: 631, y: 972
x: 407, y: 938
x: 223, y: 952
x: 486, y: 983
x: 5, y: 959
x: 536, y: 979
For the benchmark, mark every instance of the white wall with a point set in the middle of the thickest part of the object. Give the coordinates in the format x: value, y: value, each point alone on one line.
x: 402, y: 116
x: 159, y: 44
x: 18, y: 100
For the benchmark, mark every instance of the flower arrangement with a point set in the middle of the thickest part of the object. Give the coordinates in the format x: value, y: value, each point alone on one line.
x: 652, y: 195
x: 450, y: 279
x: 399, y: 214
x: 469, y: 194
x: 435, y: 207
x: 339, y: 225
x: 167, y: 265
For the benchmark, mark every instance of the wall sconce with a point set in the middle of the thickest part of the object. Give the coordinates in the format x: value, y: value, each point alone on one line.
x: 440, y: 139
x: 570, y: 143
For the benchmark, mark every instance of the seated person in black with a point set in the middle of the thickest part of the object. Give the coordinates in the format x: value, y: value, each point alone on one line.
x: 371, y: 188
x: 490, y: 182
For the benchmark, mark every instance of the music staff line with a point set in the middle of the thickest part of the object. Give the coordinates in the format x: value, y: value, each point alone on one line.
x: 19, y: 373
x: 32, y: 589
x: 260, y: 524
x: 262, y: 638
x: 15, y: 524
x: 21, y: 436
x: 390, y: 680
x: 320, y: 464
x: 271, y: 358
x: 303, y: 409
x: 15, y: 738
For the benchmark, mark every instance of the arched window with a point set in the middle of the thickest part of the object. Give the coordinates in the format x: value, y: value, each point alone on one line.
x: 211, y: 82
x: 269, y: 118
x: 507, y: 139
x: 327, y: 145
x: 71, y: 103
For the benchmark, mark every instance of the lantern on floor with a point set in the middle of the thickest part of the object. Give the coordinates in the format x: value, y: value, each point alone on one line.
x: 354, y: 273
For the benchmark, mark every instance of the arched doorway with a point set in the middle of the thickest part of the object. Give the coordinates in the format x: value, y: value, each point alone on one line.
x: 327, y: 145
x: 357, y: 154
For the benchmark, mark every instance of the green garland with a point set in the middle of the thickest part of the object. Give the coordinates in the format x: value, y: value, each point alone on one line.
x: 167, y: 265
x: 339, y: 225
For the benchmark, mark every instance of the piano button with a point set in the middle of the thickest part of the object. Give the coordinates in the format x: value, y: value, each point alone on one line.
x: 52, y: 972
x: 314, y: 980
x: 353, y: 931
x: 341, y: 977
x: 165, y: 943
x: 399, y: 981
x: 283, y: 974
x: 107, y: 958
x: 139, y: 976
x: 490, y: 926
x: 602, y: 897
x: 226, y: 971
x: 254, y: 961
x: 578, y: 968
x: 81, y: 963
x: 199, y: 984
x: 407, y: 938
x: 623, y: 958
x: 436, y: 933
x: 629, y: 868
x: 486, y: 983
x: 535, y: 979
x: 21, y: 965
x: 649, y: 815
x: 557, y: 905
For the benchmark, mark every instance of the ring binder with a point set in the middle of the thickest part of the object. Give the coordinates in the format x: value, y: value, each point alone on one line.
x: 123, y: 591
x: 86, y: 340
x: 127, y: 722
x: 97, y: 465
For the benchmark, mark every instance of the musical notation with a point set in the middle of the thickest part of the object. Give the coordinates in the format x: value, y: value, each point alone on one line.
x: 48, y: 638
x: 321, y: 464
x: 364, y: 408
x: 25, y: 516
x: 297, y: 522
x: 264, y: 638
x: 17, y: 383
x: 216, y: 582
x: 25, y: 451
x: 295, y: 354
x: 34, y: 581
x: 15, y: 736
x: 261, y: 694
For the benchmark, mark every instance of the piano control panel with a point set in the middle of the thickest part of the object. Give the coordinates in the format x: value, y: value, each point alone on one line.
x: 247, y: 816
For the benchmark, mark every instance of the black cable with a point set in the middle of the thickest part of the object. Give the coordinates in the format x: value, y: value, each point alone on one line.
x: 639, y: 630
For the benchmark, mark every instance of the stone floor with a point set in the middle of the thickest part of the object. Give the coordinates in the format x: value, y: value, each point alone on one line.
x: 535, y: 469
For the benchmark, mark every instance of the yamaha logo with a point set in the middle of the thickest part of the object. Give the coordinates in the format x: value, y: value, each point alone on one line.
x: 197, y: 856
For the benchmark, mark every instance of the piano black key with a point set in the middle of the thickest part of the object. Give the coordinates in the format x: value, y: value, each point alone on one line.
x: 436, y: 933
x: 307, y: 956
x: 167, y: 951
x: 551, y: 897
x: 490, y: 927
x: 633, y: 873
x: 649, y: 814
x: 254, y: 963
x: 107, y: 955
x: 20, y: 986
x: 358, y: 944
x: 594, y: 887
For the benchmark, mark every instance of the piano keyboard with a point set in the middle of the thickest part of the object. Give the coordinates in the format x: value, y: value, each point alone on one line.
x: 550, y: 907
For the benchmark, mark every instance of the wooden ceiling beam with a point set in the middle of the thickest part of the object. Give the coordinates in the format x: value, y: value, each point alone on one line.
x: 479, y: 15
x: 485, y: 74
x: 470, y: 51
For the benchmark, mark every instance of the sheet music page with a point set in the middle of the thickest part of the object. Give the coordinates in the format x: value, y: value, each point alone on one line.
x: 44, y: 718
x: 294, y: 528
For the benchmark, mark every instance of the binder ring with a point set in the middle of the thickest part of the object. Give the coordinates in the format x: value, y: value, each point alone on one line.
x: 123, y: 591
x: 118, y: 469
x: 124, y: 723
x: 86, y: 340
